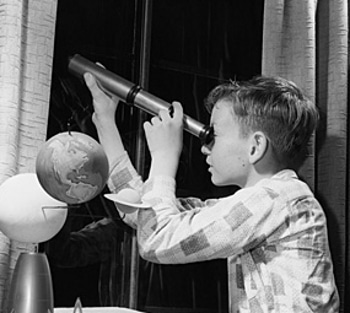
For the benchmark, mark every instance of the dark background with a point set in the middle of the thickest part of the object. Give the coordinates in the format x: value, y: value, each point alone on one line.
x: 194, y: 46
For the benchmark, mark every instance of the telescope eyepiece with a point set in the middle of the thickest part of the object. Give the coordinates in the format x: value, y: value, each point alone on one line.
x: 207, y: 135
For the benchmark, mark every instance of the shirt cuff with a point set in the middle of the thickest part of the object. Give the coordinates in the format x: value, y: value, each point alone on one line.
x: 159, y: 188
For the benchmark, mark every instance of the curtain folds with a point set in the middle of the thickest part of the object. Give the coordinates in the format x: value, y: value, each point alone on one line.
x: 26, y: 53
x: 289, y: 41
x: 307, y: 42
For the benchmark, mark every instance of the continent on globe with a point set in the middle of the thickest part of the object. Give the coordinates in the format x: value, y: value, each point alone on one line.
x: 72, y: 167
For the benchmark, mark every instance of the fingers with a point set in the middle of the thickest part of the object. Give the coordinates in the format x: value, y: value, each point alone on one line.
x: 97, y: 92
x: 91, y: 83
x: 174, y: 112
x: 147, y: 127
x: 162, y: 115
x: 100, y: 64
x: 90, y: 80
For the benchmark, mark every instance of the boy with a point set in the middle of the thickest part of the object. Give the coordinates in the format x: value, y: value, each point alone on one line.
x: 272, y: 231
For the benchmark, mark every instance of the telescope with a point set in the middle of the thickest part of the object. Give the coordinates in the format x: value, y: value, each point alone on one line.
x: 133, y: 94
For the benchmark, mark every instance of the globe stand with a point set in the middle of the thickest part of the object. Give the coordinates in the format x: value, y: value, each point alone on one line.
x: 31, y: 287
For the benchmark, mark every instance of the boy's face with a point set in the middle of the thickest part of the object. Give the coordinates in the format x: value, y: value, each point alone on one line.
x: 227, y: 156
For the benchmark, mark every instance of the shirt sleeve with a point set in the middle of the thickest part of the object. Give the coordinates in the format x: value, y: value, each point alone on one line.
x: 209, y: 230
x: 124, y: 175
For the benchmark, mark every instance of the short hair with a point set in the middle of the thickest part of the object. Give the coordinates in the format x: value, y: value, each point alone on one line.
x: 275, y: 106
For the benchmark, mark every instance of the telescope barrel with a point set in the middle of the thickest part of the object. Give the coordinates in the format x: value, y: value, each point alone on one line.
x: 133, y: 94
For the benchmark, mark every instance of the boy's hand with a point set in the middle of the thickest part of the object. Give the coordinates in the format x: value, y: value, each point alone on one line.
x: 104, y: 119
x: 164, y: 134
x: 104, y: 104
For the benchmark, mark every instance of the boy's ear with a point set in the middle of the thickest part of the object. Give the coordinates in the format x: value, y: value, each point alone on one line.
x: 258, y: 147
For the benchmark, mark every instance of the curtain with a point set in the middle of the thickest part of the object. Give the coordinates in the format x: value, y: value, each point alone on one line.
x: 307, y: 42
x: 26, y: 53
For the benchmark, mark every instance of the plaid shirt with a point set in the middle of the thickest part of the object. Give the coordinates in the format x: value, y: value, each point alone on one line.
x: 273, y: 235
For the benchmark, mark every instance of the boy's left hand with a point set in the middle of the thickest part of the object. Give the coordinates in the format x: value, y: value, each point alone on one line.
x: 164, y: 134
x: 104, y: 104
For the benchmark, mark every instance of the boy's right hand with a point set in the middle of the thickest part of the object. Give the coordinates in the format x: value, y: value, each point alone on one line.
x: 164, y: 135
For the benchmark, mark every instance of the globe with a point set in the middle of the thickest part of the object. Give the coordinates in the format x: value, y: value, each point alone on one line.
x: 72, y: 167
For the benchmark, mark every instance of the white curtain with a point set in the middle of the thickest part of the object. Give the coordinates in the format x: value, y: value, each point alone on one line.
x: 307, y: 42
x: 289, y: 47
x: 27, y: 29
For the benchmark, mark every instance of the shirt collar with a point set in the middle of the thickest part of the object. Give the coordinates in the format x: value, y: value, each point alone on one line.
x: 285, y: 174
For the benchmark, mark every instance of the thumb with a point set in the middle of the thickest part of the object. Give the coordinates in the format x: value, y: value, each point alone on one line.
x: 90, y: 81
x: 95, y: 90
x: 178, y: 111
